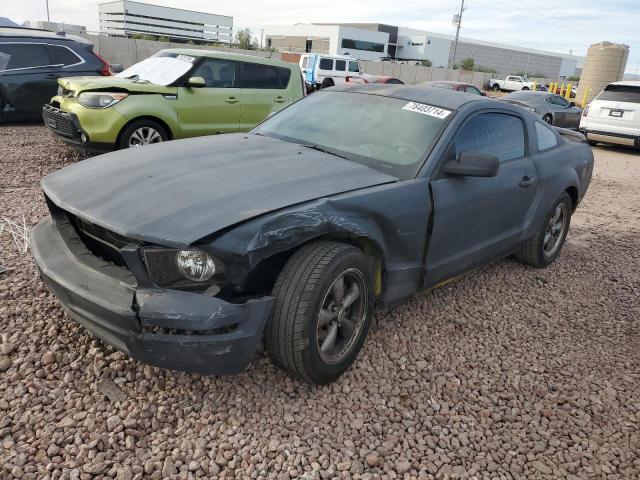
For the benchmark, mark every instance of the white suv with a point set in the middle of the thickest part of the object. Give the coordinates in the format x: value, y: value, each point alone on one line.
x: 322, y: 71
x: 614, y: 115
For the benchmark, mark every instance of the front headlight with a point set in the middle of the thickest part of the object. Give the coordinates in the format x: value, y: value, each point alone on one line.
x: 169, y: 267
x: 100, y: 99
x: 196, y: 265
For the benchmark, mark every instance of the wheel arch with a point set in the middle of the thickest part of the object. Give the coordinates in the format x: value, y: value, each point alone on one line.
x: 573, y: 194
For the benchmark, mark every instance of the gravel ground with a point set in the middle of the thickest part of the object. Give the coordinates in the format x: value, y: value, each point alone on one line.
x: 510, y: 372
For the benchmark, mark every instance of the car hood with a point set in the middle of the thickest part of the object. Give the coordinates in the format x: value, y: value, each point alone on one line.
x: 178, y: 192
x: 93, y: 84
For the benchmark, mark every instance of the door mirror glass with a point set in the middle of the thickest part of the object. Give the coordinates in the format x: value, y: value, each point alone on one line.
x: 196, y: 82
x: 473, y: 165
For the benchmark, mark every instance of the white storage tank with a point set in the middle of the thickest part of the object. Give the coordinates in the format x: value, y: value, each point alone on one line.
x: 605, y: 63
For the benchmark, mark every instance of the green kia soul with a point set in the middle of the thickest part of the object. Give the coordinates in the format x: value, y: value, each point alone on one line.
x: 176, y: 93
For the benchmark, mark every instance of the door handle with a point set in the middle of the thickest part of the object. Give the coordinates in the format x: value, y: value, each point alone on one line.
x: 232, y: 100
x: 280, y: 100
x: 527, y: 181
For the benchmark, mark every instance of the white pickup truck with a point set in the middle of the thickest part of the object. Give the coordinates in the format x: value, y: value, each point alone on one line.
x: 511, y: 84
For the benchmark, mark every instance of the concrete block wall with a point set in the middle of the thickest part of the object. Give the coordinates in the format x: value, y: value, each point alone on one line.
x: 416, y: 74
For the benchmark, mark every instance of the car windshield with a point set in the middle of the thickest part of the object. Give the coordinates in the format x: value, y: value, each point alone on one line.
x: 163, y: 68
x: 387, y: 134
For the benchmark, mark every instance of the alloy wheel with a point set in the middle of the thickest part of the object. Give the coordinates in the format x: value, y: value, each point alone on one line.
x: 144, y: 136
x: 342, y: 316
x: 555, y: 230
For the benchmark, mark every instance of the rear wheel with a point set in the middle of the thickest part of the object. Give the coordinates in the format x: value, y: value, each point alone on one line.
x: 544, y: 247
x: 322, y: 311
x: 327, y: 82
x: 496, y: 87
x: 142, y: 132
x: 525, y: 88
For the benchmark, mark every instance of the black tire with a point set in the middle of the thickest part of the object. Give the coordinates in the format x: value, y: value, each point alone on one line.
x: 533, y: 252
x: 327, y: 82
x: 125, y: 139
x: 525, y: 88
x: 548, y: 118
x: 301, y: 290
x: 592, y: 143
x: 496, y: 87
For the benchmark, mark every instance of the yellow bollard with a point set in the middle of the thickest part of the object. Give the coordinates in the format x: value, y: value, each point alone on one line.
x: 552, y: 87
x: 567, y: 94
x: 535, y: 86
x: 561, y: 92
x: 584, y: 97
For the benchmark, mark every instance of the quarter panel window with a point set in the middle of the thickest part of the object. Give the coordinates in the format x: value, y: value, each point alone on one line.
x: 62, y: 56
x: 497, y: 134
x: 27, y: 55
x: 326, y: 64
x: 217, y: 73
x: 353, y: 67
x: 254, y: 75
x: 546, y: 137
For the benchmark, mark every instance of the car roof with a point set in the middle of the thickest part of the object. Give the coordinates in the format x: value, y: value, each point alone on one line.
x: 438, y: 97
x: 445, y: 82
x: 239, y: 57
x: 23, y: 32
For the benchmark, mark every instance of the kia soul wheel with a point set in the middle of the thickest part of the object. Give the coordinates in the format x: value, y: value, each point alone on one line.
x: 142, y: 132
x: 322, y: 311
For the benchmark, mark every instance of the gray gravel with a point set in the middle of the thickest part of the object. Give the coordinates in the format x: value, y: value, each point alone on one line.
x: 509, y: 372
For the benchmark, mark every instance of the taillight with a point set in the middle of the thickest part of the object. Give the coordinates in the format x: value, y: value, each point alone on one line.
x: 105, y: 71
x: 585, y: 112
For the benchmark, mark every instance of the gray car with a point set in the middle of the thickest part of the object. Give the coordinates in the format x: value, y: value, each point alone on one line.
x: 554, y: 109
x: 192, y: 253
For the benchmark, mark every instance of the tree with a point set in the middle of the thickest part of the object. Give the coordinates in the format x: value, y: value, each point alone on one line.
x: 467, y: 64
x: 245, y: 40
x: 426, y: 63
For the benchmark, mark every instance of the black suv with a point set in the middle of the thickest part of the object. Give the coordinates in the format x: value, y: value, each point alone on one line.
x: 31, y: 61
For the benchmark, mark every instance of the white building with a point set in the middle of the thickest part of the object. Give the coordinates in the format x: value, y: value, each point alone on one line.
x: 126, y: 18
x: 56, y: 26
x: 402, y: 43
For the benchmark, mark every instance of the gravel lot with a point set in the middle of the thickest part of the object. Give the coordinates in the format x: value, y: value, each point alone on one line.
x: 510, y: 372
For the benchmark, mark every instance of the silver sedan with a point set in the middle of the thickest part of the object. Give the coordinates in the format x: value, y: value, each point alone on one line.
x: 554, y: 109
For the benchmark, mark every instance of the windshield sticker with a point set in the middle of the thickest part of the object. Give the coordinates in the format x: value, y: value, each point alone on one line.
x: 186, y: 58
x: 425, y: 109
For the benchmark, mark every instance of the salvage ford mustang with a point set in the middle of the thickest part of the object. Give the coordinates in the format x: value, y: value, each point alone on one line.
x: 191, y: 254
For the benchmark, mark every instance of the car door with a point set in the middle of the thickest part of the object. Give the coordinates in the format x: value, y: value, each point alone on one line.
x: 513, y: 83
x: 214, y: 108
x: 263, y: 91
x: 480, y: 219
x: 340, y: 72
x: 325, y: 69
x: 28, y: 80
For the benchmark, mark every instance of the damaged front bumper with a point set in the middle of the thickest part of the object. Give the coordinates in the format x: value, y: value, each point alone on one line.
x: 163, y: 327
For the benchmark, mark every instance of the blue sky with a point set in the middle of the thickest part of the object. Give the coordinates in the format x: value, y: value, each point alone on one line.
x: 545, y: 24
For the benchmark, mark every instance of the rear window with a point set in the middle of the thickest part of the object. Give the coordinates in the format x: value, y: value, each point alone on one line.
x: 621, y: 93
x: 546, y: 137
x: 254, y: 75
x: 16, y: 55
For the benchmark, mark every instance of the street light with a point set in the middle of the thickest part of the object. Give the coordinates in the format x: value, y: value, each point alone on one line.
x: 526, y: 71
x: 47, y: 2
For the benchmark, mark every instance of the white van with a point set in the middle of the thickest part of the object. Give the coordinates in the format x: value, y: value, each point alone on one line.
x: 614, y: 115
x: 322, y: 71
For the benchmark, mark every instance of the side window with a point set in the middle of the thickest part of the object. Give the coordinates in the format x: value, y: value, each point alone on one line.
x: 496, y: 134
x: 23, y: 55
x: 353, y: 67
x: 254, y: 75
x: 326, y: 64
x: 546, y: 137
x: 341, y: 65
x: 217, y: 73
x: 62, y: 55
x: 562, y: 102
x: 474, y: 90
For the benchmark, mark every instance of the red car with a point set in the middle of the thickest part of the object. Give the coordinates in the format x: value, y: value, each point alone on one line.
x: 457, y: 86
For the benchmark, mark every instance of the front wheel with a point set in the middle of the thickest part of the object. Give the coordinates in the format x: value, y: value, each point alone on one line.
x: 142, y: 132
x: 548, y: 119
x: 322, y: 311
x: 544, y: 247
x: 496, y: 87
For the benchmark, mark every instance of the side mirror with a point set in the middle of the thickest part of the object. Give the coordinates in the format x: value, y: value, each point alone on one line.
x: 473, y: 165
x: 115, y: 68
x: 196, y: 82
x: 572, y: 104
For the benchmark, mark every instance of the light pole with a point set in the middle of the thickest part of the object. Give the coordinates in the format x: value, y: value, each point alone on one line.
x: 47, y: 2
x: 455, y: 45
x: 526, y: 70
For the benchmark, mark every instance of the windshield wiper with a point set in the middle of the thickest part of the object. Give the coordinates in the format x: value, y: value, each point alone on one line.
x: 324, y: 150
